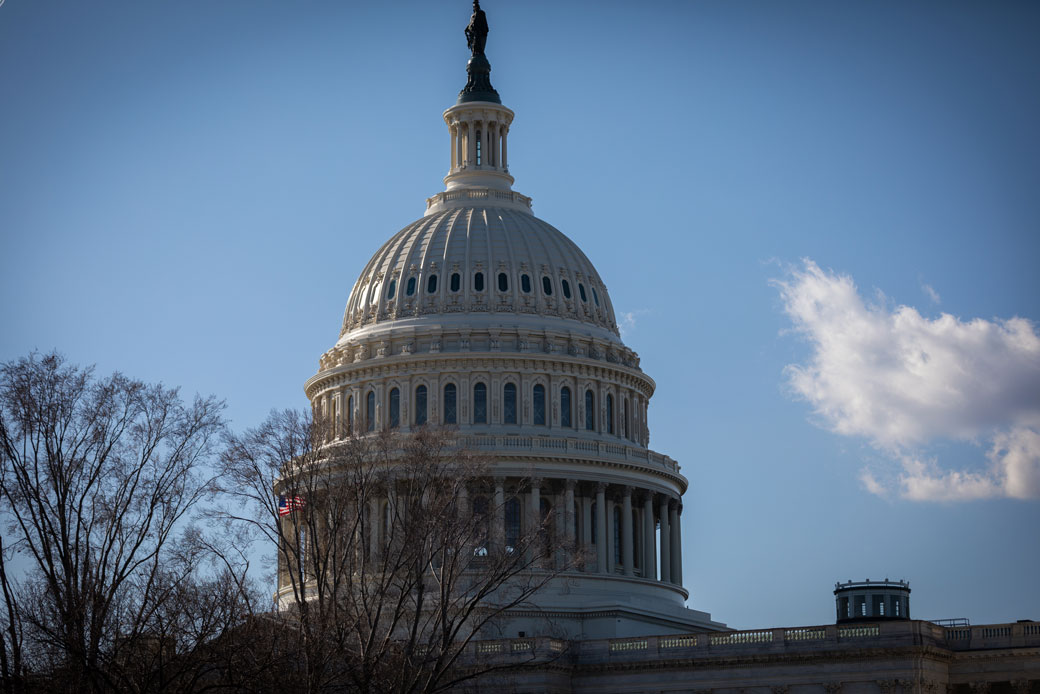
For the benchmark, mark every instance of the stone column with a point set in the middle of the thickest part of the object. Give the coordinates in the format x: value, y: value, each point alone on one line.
x: 601, y: 528
x: 493, y: 149
x: 568, y: 500
x: 627, y: 538
x: 677, y: 549
x: 586, y: 532
x: 649, y: 527
x: 535, y: 520
x: 666, y: 544
x: 460, y: 143
x: 464, y: 509
x: 486, y: 134
x: 498, y: 524
x: 451, y: 133
x: 471, y: 143
x: 505, y: 156
x: 373, y: 529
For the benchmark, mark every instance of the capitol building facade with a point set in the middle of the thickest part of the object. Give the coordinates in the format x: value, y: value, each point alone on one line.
x: 482, y: 317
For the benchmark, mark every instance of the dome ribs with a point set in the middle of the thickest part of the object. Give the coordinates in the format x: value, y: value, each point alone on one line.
x: 469, y: 239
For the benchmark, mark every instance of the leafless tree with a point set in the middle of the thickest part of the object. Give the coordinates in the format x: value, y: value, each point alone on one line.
x: 99, y: 480
x: 389, y: 563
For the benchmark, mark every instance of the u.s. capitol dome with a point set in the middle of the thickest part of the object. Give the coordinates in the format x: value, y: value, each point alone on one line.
x: 483, y: 317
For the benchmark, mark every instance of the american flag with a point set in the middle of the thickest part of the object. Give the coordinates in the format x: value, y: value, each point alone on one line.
x: 288, y: 504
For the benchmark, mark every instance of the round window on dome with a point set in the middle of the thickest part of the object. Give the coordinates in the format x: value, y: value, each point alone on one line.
x: 431, y: 284
x: 478, y: 282
x: 525, y: 283
x: 391, y: 289
x: 456, y: 281
x: 410, y: 289
x: 581, y: 292
x: 547, y: 285
x: 566, y: 288
x: 595, y: 296
x: 503, y: 282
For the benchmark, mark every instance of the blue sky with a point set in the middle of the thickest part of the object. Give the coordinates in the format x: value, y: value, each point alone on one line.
x: 818, y: 221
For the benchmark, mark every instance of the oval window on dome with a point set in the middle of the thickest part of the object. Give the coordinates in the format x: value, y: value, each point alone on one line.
x: 410, y: 289
x: 478, y: 282
x: 431, y: 284
x: 566, y: 288
x: 391, y: 289
x: 503, y: 282
x: 581, y: 292
x: 456, y: 281
x: 547, y: 285
x: 525, y: 284
x: 595, y: 296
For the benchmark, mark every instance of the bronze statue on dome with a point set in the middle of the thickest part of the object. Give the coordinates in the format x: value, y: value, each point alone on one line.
x: 477, y: 30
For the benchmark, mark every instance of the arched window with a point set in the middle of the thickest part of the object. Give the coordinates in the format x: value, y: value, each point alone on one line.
x: 479, y: 156
x: 391, y: 289
x: 450, y: 410
x: 410, y: 288
x: 581, y: 291
x: 547, y: 285
x: 617, y: 535
x: 595, y: 296
x: 565, y: 407
x: 566, y: 288
x: 503, y: 282
x: 370, y: 411
x: 539, y: 405
x: 350, y: 415
x: 590, y: 411
x: 525, y: 284
x: 395, y: 408
x: 481, y: 525
x: 480, y: 404
x: 610, y: 413
x: 509, y: 403
x: 431, y: 284
x: 456, y: 281
x: 478, y: 282
x: 512, y: 523
x: 625, y: 421
x: 420, y: 406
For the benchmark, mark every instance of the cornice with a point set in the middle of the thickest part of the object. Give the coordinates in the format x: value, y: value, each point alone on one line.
x: 341, y: 371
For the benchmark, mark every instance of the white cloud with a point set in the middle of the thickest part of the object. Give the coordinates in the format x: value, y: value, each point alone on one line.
x: 627, y: 322
x: 903, y: 381
x: 931, y: 293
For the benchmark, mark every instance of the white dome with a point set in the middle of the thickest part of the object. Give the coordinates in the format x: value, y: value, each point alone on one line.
x: 484, y: 318
x: 481, y: 265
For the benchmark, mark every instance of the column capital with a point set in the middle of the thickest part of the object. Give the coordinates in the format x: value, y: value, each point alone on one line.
x: 601, y: 486
x: 569, y: 484
x: 627, y: 490
x: 499, y: 481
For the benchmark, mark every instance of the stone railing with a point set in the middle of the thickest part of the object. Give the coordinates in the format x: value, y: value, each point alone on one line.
x: 1012, y: 635
x: 781, y: 640
x: 478, y: 194
x: 561, y: 445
